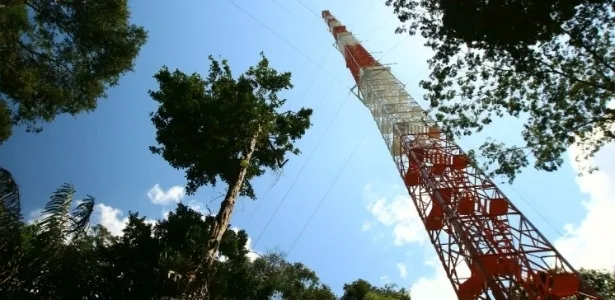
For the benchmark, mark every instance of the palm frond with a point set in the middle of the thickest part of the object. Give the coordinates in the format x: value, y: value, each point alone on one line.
x: 56, y: 216
x: 10, y: 227
x: 10, y: 204
x: 80, y: 218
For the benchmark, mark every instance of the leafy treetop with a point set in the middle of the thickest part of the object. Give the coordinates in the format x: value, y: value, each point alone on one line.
x: 506, y: 25
x: 205, y: 125
x: 363, y: 290
x: 60, y: 56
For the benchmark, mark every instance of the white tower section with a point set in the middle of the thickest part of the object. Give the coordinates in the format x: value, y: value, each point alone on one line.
x: 396, y: 113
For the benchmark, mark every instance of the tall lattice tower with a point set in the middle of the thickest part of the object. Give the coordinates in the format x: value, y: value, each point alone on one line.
x: 470, y: 222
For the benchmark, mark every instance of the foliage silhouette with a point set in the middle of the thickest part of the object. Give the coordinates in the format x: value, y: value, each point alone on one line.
x: 157, y: 259
x: 10, y: 224
x: 36, y: 257
x: 59, y: 57
x: 222, y: 128
x: 363, y: 290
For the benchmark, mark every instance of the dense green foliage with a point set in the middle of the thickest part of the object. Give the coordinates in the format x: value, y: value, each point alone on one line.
x: 55, y: 260
x: 60, y: 56
x: 506, y: 25
x: 222, y: 128
x: 58, y: 257
x: 602, y: 281
x: 205, y: 125
x: 363, y: 290
x: 553, y: 64
x: 40, y: 258
x: 10, y: 223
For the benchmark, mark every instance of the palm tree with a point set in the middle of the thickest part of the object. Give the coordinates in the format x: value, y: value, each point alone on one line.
x: 57, y: 220
x: 10, y: 225
x: 24, y: 269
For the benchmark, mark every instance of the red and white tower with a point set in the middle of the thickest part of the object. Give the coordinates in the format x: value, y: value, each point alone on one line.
x: 470, y: 222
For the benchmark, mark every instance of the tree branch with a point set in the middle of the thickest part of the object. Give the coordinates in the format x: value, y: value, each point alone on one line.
x: 589, y: 50
x: 573, y: 78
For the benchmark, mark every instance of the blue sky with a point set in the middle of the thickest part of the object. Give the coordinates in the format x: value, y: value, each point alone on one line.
x: 105, y: 153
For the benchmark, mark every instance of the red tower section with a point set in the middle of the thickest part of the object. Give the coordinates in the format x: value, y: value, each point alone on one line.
x: 470, y: 222
x: 355, y: 55
x: 507, y: 256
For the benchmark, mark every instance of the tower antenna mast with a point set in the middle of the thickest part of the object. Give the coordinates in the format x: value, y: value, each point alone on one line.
x: 468, y: 219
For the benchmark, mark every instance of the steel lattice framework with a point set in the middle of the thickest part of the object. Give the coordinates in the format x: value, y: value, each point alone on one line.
x: 470, y: 222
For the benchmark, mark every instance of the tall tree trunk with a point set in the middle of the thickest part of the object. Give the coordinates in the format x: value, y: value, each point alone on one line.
x: 223, y: 217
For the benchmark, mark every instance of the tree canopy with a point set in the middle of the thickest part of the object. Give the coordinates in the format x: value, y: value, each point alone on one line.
x: 59, y: 57
x: 205, y: 125
x: 549, y: 62
x: 363, y: 290
x: 506, y: 25
x: 602, y: 281
x: 53, y: 259
x: 150, y: 260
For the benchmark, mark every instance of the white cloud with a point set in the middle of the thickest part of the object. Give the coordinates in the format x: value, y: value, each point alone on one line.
x: 150, y: 222
x: 111, y: 218
x: 434, y: 287
x: 192, y: 204
x: 403, y: 270
x: 437, y: 286
x: 198, y: 206
x: 396, y: 210
x: 173, y: 195
x: 252, y: 254
x: 165, y: 214
x: 585, y: 244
